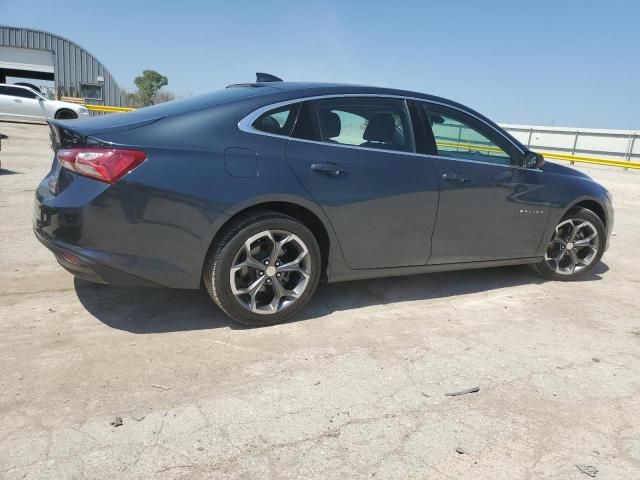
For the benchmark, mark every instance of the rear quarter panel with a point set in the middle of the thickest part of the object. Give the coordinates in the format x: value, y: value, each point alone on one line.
x: 171, y: 207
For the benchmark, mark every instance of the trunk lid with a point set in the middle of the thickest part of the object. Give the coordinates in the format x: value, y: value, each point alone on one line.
x: 74, y: 133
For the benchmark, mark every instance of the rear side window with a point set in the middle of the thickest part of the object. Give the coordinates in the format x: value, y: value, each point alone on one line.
x: 365, y: 122
x: 278, y: 121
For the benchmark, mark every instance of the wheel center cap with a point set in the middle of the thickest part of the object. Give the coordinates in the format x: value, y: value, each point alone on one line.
x: 570, y: 245
x: 271, y: 271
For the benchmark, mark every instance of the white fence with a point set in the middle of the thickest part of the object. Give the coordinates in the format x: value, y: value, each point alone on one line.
x: 587, y: 142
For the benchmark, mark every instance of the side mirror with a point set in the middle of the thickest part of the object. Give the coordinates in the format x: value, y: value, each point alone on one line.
x: 533, y: 160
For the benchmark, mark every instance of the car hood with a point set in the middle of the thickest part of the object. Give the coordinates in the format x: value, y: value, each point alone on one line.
x: 563, y: 170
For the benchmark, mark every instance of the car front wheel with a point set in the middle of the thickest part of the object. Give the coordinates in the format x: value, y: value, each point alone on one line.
x: 575, y: 248
x: 263, y: 269
x: 66, y: 114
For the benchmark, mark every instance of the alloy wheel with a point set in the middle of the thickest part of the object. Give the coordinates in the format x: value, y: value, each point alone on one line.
x: 573, y: 247
x: 270, y: 272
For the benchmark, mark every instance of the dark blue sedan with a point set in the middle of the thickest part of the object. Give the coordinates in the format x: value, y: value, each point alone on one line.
x: 262, y: 190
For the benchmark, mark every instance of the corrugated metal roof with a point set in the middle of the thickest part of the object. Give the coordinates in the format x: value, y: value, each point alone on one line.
x: 73, y: 64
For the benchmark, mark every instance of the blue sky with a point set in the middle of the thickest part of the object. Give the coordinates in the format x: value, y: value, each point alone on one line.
x: 567, y: 63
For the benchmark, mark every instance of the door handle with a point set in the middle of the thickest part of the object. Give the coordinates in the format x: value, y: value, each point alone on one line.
x: 453, y: 177
x: 17, y: 100
x: 327, y: 169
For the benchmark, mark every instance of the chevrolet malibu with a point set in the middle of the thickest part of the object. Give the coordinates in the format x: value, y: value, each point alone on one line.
x: 262, y: 190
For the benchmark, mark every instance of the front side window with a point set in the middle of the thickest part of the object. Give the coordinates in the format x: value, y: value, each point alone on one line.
x: 459, y: 135
x: 278, y: 121
x: 369, y: 122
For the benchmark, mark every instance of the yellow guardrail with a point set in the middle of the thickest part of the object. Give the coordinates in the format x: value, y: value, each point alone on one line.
x: 470, y: 146
x: 105, y: 108
x: 554, y: 155
x: 592, y: 160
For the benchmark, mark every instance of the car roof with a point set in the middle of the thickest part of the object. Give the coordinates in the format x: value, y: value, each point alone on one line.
x: 310, y: 89
x: 264, y: 92
x: 351, y: 88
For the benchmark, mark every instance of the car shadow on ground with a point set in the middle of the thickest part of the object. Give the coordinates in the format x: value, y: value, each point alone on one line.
x: 151, y: 310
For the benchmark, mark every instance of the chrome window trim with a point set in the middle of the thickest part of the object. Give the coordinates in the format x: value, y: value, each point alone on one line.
x: 398, y: 152
x: 246, y: 125
x: 444, y: 157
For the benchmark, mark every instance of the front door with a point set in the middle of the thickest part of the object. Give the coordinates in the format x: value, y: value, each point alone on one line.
x: 380, y: 197
x: 490, y: 207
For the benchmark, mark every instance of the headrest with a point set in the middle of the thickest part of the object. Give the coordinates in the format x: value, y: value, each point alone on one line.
x: 269, y: 124
x: 381, y: 128
x: 331, y: 125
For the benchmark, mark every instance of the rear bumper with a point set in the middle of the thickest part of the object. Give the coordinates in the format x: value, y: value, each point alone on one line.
x: 78, y: 262
x: 113, y: 234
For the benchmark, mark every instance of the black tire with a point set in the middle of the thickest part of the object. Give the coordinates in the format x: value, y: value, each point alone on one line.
x: 66, y: 114
x: 579, y: 214
x: 217, y: 268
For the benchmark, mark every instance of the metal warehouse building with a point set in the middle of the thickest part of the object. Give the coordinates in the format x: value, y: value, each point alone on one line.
x: 39, y: 55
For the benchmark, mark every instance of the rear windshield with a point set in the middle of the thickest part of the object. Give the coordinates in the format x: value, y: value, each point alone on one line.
x: 198, y: 101
x: 176, y: 107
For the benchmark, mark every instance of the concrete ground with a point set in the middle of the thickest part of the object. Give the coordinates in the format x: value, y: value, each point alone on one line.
x: 354, y: 389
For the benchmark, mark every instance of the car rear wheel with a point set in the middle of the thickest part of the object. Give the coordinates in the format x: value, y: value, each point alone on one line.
x: 575, y: 248
x: 66, y: 114
x: 263, y: 269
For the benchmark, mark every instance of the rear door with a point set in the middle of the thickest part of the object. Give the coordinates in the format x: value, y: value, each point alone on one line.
x: 490, y: 207
x: 380, y: 197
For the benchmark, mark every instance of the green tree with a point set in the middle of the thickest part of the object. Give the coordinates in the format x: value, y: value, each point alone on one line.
x: 148, y: 86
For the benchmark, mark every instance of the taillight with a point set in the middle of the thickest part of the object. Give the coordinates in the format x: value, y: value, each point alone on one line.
x: 71, y: 258
x: 104, y: 164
